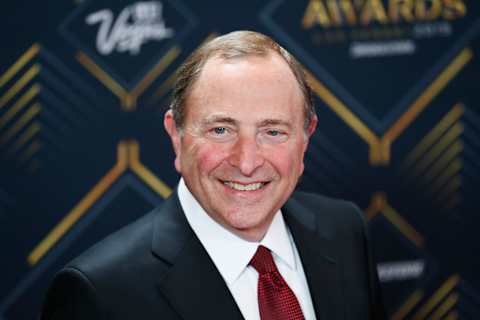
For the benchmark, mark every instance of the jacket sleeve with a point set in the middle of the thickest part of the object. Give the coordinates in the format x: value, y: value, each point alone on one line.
x: 377, y: 309
x: 71, y: 296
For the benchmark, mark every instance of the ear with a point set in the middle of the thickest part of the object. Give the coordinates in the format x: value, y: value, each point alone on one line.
x: 310, y: 130
x: 312, y: 126
x: 175, y: 136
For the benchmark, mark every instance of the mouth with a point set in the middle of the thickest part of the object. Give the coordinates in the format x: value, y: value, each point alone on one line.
x: 245, y: 187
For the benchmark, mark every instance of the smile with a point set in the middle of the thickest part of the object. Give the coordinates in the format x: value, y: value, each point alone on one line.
x: 244, y: 187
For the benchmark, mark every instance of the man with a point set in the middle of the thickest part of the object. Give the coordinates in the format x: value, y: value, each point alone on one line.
x: 232, y: 241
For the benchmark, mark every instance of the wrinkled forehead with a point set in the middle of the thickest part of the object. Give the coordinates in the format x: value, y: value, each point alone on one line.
x: 271, y: 68
x: 269, y: 72
x: 260, y: 86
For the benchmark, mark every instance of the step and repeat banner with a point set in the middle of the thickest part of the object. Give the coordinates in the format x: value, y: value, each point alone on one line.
x: 84, y: 85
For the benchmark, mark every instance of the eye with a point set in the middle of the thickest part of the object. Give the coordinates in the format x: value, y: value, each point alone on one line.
x: 220, y: 133
x: 273, y: 133
x: 219, y: 130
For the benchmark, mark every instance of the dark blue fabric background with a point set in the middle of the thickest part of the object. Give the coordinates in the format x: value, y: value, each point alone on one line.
x: 83, y: 150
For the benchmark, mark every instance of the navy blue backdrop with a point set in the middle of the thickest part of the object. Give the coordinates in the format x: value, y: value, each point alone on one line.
x: 84, y: 85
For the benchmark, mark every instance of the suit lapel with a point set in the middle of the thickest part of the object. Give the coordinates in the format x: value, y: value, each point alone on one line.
x: 319, y: 260
x: 192, y: 285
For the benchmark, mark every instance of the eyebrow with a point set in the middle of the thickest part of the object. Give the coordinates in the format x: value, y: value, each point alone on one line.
x: 219, y: 119
x: 225, y: 119
x: 274, y: 122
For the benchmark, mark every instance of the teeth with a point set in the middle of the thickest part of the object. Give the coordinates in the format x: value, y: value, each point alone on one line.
x: 244, y: 187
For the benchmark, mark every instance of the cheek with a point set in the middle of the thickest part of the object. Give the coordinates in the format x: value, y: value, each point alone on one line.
x: 287, y: 161
x: 207, y: 156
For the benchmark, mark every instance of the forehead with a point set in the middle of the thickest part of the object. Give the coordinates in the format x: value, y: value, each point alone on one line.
x: 270, y: 66
x: 255, y: 84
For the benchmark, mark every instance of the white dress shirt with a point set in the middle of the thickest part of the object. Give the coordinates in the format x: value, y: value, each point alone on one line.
x: 232, y: 254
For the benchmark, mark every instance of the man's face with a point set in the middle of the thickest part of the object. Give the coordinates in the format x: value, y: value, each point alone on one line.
x: 241, y: 148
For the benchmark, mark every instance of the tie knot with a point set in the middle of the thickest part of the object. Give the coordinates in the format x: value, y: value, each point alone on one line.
x: 262, y: 261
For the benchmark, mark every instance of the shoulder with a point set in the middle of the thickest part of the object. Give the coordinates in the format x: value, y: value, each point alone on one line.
x: 326, y: 207
x: 132, y: 242
x: 314, y: 200
x: 341, y: 231
x: 83, y: 287
x: 332, y: 216
x: 131, y: 253
x: 118, y: 274
x: 105, y: 276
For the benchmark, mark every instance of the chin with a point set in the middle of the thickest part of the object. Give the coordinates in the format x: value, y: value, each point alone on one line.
x: 245, y: 224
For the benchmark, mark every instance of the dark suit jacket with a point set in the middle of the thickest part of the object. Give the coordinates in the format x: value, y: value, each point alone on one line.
x: 156, y: 268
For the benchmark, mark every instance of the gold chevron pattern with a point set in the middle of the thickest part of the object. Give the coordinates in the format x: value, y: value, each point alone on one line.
x: 440, y: 305
x: 127, y: 98
x: 435, y: 162
x: 379, y: 205
x: 380, y: 145
x: 128, y: 158
x: 19, y: 127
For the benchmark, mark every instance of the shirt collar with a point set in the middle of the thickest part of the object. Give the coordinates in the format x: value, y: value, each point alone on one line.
x: 230, y: 253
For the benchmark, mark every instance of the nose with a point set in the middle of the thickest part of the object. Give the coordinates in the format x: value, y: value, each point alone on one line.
x: 246, y: 155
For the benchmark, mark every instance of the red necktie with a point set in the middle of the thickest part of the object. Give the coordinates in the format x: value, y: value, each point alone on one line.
x: 276, y: 301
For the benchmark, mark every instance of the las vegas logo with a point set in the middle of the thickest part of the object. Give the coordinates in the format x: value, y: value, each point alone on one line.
x: 126, y: 38
x: 136, y: 24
